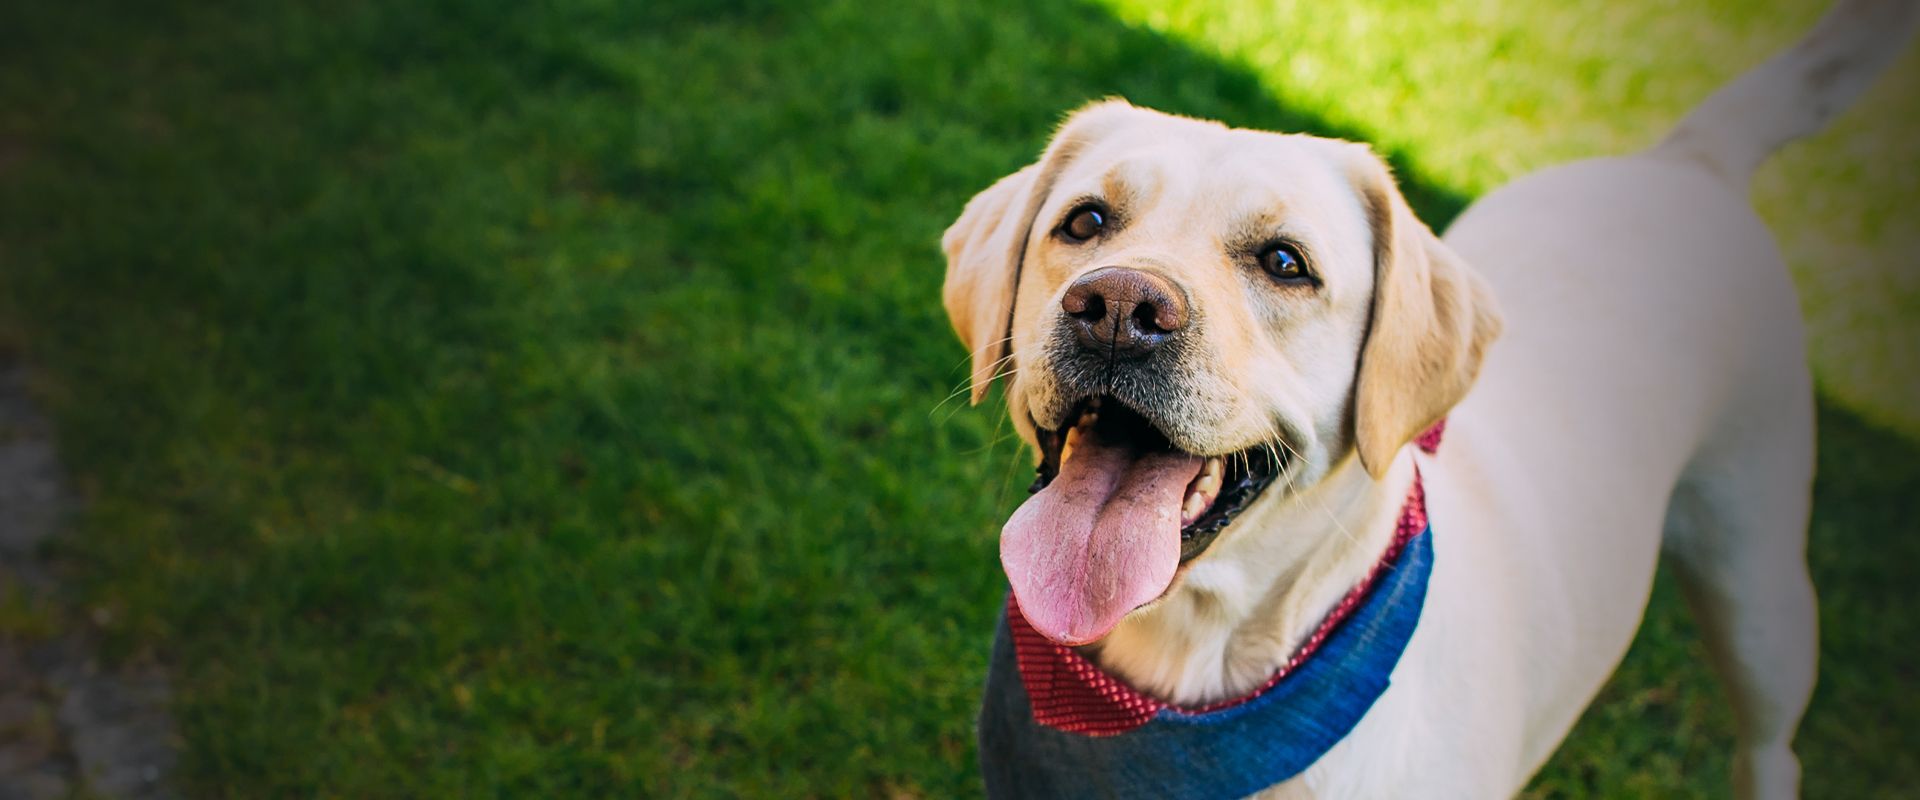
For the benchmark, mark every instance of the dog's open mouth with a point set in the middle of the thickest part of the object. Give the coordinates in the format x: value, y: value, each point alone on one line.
x: 1116, y: 510
x: 1225, y: 486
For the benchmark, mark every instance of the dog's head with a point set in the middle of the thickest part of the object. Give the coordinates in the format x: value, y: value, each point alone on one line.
x: 1184, y: 313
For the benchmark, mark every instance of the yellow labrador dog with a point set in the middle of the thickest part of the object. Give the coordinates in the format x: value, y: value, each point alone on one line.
x: 1222, y: 342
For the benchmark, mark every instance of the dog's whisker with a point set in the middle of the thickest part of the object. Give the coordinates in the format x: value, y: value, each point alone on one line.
x: 998, y: 376
x: 966, y: 384
x: 1010, y: 478
x: 1292, y: 490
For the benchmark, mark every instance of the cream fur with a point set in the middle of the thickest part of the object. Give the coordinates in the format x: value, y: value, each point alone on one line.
x: 1650, y: 394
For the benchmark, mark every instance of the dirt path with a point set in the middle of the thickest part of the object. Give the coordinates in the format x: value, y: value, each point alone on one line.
x: 69, y: 726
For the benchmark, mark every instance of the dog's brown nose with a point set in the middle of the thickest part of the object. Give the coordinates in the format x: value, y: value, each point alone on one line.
x: 1126, y: 312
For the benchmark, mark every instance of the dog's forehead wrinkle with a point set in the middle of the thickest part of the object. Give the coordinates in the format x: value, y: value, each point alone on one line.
x: 1131, y: 181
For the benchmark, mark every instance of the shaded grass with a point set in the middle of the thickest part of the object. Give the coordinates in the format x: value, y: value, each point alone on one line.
x: 547, y: 399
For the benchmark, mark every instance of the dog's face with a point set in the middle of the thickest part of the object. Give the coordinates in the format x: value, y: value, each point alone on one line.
x: 1188, y: 313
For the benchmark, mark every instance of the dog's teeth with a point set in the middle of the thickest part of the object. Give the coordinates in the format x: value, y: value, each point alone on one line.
x: 1207, y: 485
x: 1196, y: 503
x: 1205, y: 488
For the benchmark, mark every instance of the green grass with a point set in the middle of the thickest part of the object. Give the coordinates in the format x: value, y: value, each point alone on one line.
x: 549, y: 399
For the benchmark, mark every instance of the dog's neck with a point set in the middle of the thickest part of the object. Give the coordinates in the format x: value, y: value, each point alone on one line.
x: 1245, y: 606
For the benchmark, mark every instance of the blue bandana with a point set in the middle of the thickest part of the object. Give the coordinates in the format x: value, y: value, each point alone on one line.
x: 1227, y: 750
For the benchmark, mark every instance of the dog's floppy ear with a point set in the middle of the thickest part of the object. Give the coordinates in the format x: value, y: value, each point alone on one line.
x: 987, y: 245
x: 984, y: 248
x: 1432, y: 320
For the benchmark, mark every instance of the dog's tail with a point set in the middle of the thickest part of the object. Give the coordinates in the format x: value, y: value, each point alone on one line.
x: 1798, y: 91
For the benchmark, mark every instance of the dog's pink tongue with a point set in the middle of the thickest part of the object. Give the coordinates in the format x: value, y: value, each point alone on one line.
x: 1098, y: 542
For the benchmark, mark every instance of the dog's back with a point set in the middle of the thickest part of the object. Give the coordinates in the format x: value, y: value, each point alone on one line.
x: 1655, y: 351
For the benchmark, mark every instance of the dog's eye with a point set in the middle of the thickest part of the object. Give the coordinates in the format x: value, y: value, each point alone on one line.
x: 1084, y: 223
x: 1282, y: 261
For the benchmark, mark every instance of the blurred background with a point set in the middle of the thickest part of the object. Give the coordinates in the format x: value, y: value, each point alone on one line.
x: 543, y: 399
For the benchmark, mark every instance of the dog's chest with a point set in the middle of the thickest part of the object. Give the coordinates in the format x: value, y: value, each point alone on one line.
x: 1052, y: 724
